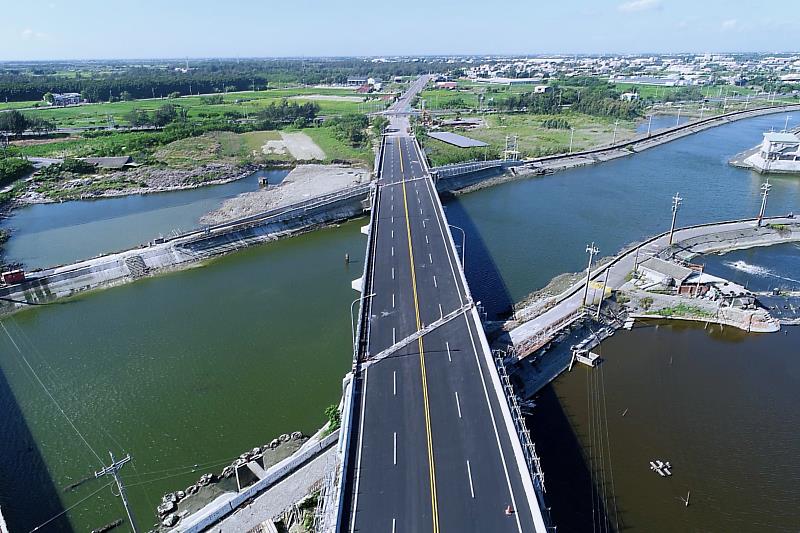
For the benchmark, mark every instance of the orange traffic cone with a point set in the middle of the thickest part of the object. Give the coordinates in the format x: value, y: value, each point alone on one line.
x: 509, y: 510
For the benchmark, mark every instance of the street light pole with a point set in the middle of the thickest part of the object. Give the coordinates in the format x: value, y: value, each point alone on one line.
x: 463, y: 244
x: 352, y: 321
x: 676, y: 202
x: 591, y: 250
x: 614, y: 140
x: 649, y: 124
x: 764, y: 193
x: 786, y: 124
x: 571, y: 137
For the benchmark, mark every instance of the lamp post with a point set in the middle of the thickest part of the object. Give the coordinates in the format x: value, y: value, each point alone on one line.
x: 614, y: 140
x: 649, y: 124
x: 676, y: 203
x: 571, y: 137
x: 786, y: 123
x: 463, y: 243
x: 352, y: 321
x: 591, y: 250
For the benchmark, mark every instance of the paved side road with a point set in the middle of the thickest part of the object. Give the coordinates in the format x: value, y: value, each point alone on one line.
x: 280, y: 496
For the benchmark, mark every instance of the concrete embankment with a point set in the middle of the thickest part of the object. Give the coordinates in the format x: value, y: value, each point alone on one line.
x: 639, y: 143
x: 45, y: 286
x: 540, y: 322
x: 538, y: 341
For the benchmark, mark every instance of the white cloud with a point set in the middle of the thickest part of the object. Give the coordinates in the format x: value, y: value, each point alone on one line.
x: 729, y: 24
x: 639, y: 5
x: 28, y: 34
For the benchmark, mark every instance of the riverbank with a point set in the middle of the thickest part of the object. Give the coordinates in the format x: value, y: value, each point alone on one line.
x: 544, y: 318
x: 163, y: 255
x: 639, y: 143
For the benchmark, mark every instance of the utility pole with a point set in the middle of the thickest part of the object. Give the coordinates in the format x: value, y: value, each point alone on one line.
x: 678, y: 122
x: 676, y: 203
x: 649, y: 124
x: 786, y: 124
x: 764, y: 193
x: 114, y: 469
x: 602, y: 294
x: 616, y: 123
x: 591, y: 250
x: 571, y: 137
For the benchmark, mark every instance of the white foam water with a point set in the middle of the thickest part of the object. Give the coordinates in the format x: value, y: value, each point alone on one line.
x: 756, y: 270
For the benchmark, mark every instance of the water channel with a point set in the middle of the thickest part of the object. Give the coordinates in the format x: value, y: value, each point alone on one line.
x: 195, y: 367
x: 44, y: 235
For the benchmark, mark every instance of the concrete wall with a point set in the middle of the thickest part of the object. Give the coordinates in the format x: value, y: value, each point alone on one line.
x: 115, y: 269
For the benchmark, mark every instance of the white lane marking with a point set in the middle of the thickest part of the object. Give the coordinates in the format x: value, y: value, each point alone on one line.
x: 394, y: 458
x: 392, y: 272
x: 394, y: 384
x: 447, y: 344
x: 420, y: 210
x: 458, y: 405
x: 469, y: 475
x: 426, y: 239
x: 394, y: 336
x: 423, y: 223
x: 392, y: 234
x: 441, y: 313
x: 391, y: 207
x: 392, y: 251
x: 360, y: 446
x: 392, y: 219
x: 434, y: 282
x: 392, y: 300
x: 430, y: 258
x: 394, y: 525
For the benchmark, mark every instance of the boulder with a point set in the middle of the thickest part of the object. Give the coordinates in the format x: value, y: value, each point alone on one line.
x: 285, y: 437
x: 170, y: 520
x: 297, y: 435
x: 180, y: 495
x: 274, y: 443
x: 192, y: 489
x: 166, y: 507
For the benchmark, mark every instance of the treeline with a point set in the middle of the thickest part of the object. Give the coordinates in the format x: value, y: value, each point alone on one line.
x: 203, y: 77
x: 585, y: 95
x: 16, y: 123
x: 351, y: 129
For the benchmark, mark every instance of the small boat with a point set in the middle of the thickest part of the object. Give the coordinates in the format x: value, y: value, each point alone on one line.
x: 663, y: 469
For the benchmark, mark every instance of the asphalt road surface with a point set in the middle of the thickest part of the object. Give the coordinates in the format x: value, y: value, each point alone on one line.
x: 431, y: 450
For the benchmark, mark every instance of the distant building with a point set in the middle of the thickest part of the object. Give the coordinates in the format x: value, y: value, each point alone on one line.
x: 449, y: 85
x: 542, y: 89
x: 364, y: 89
x: 60, y: 99
x: 629, y: 97
x: 780, y: 146
x: 356, y: 82
x: 778, y: 152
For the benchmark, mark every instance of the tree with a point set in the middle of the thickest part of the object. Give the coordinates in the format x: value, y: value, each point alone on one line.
x: 137, y: 117
x: 164, y: 115
x: 48, y: 97
x: 126, y: 96
x: 13, y: 122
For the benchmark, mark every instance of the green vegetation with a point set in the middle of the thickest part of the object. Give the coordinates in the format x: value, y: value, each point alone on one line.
x: 16, y: 123
x: 683, y: 310
x: 13, y: 168
x: 780, y: 228
x: 646, y: 302
x: 334, y: 418
x: 555, y: 124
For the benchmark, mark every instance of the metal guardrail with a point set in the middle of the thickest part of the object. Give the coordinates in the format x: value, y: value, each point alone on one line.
x: 528, y: 447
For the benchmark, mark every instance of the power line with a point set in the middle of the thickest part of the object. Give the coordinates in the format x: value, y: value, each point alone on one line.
x: 37, y: 528
x: 52, y: 398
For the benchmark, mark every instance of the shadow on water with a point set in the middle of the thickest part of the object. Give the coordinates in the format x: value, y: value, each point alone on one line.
x: 483, y: 276
x: 28, y: 489
x: 571, y: 494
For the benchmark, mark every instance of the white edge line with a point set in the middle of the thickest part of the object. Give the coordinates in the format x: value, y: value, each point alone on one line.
x: 360, y: 448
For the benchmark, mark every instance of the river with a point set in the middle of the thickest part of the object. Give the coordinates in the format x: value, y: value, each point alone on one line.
x: 44, y: 235
x: 198, y: 366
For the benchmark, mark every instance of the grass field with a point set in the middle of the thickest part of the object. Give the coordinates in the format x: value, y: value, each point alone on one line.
x: 19, y: 105
x: 468, y: 93
x: 534, y: 140
x: 245, y: 103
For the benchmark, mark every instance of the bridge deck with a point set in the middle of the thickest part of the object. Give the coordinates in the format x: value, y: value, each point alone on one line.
x: 433, y: 449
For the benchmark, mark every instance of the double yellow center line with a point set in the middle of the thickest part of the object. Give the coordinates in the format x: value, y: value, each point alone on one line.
x: 431, y: 466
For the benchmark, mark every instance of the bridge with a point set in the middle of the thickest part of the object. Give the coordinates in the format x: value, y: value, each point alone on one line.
x: 431, y: 439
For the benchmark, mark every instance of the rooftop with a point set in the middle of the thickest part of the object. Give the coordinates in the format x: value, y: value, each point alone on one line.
x: 780, y: 137
x: 667, y: 268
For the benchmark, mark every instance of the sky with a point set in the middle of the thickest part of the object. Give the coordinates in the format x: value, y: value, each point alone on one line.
x: 106, y: 29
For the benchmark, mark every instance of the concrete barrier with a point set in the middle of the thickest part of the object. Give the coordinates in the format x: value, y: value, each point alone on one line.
x: 228, y: 503
x: 177, y: 252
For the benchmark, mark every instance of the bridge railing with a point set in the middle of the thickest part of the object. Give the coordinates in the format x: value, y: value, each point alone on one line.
x: 528, y: 447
